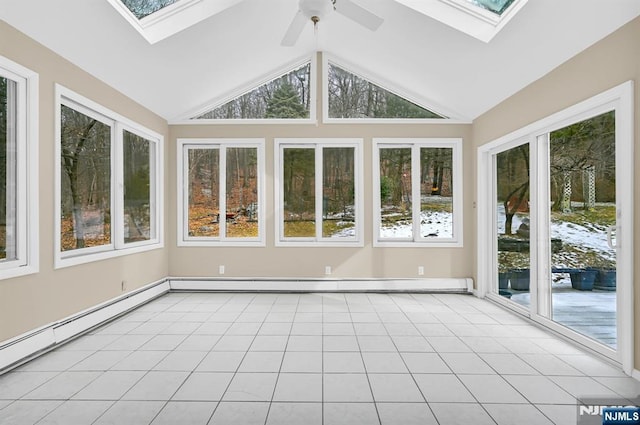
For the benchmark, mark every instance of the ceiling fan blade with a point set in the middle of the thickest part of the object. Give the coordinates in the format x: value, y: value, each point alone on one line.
x: 358, y: 14
x: 295, y: 29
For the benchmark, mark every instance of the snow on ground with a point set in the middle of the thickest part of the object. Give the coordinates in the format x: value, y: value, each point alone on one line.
x: 580, y: 236
x: 436, y: 224
x: 588, y: 239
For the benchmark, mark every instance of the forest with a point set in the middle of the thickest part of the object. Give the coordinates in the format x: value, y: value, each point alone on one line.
x: 241, y: 192
x: 338, y: 191
x: 436, y: 192
x: 86, y: 183
x: 288, y: 97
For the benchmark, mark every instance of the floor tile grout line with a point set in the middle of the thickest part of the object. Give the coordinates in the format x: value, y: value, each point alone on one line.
x: 375, y: 404
x: 195, y: 368
x: 409, y: 370
x: 284, y: 353
x: 155, y: 365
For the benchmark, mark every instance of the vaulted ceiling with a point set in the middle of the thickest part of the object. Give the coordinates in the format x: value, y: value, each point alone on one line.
x: 241, y: 44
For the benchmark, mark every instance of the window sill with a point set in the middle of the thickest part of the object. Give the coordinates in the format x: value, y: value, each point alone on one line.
x: 418, y: 244
x: 61, y: 263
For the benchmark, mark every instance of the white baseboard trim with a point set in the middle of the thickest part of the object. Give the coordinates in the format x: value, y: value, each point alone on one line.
x: 22, y: 347
x: 462, y: 285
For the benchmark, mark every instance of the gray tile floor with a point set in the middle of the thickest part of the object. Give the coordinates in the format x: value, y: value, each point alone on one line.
x: 310, y: 359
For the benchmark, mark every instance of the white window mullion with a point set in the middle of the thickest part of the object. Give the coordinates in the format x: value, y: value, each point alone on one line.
x: 280, y: 191
x: 117, y: 186
x: 154, y: 194
x: 540, y: 237
x: 222, y: 192
x: 416, y: 201
x: 319, y: 157
x: 184, y: 206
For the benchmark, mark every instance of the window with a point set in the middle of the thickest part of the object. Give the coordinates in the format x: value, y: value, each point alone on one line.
x: 156, y: 20
x: 418, y: 197
x: 350, y: 96
x: 319, y: 191
x: 287, y: 97
x: 222, y: 192
x: 109, y: 183
x: 18, y: 170
x: 482, y: 19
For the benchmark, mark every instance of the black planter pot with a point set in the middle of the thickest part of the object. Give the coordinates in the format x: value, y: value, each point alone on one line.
x: 583, y: 280
x: 503, y: 280
x: 605, y: 280
x: 520, y: 279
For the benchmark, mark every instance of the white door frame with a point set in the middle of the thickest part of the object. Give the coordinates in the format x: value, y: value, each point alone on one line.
x: 620, y: 99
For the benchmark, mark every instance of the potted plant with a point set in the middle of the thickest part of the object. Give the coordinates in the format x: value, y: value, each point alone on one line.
x: 606, y: 276
x: 583, y: 279
x: 519, y: 279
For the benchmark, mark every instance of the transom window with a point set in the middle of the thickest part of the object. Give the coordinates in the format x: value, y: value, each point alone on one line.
x: 18, y: 170
x: 351, y: 96
x: 286, y: 97
x: 222, y: 192
x: 109, y: 185
x: 418, y: 196
x: 319, y: 191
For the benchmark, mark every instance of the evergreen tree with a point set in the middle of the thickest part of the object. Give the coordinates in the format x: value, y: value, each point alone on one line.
x: 285, y: 103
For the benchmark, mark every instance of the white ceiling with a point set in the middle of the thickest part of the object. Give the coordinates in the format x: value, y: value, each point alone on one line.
x: 442, y: 66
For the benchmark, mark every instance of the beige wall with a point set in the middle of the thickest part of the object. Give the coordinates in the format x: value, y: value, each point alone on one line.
x: 367, y: 262
x: 36, y: 300
x: 610, y: 62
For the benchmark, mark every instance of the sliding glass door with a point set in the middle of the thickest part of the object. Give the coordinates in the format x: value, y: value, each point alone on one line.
x: 582, y: 215
x: 556, y: 222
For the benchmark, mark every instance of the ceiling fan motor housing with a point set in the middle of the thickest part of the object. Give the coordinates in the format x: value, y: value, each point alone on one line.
x: 316, y: 8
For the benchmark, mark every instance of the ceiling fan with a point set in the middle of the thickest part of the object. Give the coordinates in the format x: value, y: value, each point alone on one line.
x: 316, y: 10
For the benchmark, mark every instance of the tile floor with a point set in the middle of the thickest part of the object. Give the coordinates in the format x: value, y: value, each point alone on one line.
x: 194, y: 358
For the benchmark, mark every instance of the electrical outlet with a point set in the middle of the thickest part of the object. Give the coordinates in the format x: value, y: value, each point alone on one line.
x: 221, y: 270
x: 420, y: 270
x: 327, y: 270
x: 123, y: 285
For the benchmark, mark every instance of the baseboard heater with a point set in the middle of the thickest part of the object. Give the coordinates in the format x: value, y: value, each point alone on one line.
x: 450, y: 285
x: 22, y: 348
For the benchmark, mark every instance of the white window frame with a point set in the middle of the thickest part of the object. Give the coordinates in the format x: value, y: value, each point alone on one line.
x: 621, y: 100
x: 118, y: 123
x: 318, y: 144
x: 173, y: 18
x: 27, y: 171
x: 416, y: 144
x: 465, y: 16
x: 183, y: 192
x: 154, y: 191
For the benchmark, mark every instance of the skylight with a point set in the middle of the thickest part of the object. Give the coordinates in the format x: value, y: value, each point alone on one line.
x: 142, y: 8
x: 482, y: 19
x: 496, y: 6
x: 156, y: 20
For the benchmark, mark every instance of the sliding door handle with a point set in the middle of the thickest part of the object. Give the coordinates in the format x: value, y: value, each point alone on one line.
x: 610, y: 234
